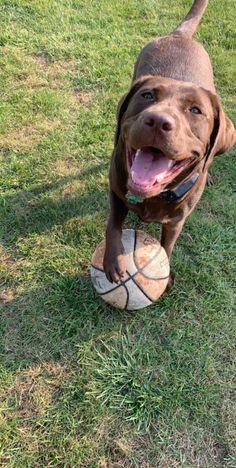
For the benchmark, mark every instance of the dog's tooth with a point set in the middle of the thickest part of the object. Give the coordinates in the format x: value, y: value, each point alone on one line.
x: 170, y: 164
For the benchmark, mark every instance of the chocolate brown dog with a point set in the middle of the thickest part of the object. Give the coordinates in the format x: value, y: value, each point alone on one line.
x: 170, y: 125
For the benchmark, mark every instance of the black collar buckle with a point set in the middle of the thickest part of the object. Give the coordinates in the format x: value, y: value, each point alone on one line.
x: 174, y: 195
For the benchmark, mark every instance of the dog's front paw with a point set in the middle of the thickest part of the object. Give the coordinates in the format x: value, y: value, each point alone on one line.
x: 114, y: 266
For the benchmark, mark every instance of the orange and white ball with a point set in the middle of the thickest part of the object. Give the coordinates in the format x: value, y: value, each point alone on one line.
x: 147, y: 272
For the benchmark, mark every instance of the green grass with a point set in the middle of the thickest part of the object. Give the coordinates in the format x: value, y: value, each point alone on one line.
x: 83, y: 384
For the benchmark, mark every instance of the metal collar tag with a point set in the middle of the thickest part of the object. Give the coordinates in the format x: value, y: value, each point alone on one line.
x: 134, y: 199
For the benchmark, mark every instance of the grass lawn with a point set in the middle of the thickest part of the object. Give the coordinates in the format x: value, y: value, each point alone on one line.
x: 82, y: 384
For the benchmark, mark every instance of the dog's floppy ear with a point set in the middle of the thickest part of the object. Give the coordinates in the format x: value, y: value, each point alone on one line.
x: 223, y: 135
x: 124, y: 102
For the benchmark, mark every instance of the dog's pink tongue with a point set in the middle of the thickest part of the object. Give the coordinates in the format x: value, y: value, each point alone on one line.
x: 149, y: 167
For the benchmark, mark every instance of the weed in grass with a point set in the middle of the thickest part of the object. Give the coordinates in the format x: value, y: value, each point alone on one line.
x: 123, y: 379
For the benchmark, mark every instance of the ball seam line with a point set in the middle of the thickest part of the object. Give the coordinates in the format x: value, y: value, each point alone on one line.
x: 111, y: 290
x: 127, y: 301
x: 97, y: 268
x: 141, y: 289
x: 149, y: 261
x: 139, y: 270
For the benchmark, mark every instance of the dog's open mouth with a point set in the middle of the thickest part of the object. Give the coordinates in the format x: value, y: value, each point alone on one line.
x: 150, y: 169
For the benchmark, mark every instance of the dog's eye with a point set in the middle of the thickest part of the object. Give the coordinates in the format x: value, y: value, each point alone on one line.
x: 147, y: 95
x: 195, y: 110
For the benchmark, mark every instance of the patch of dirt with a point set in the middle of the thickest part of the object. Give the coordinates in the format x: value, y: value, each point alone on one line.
x: 71, y: 189
x: 194, y: 449
x: 183, y: 449
x: 6, y: 296
x: 53, y: 67
x: 24, y: 138
x: 43, y: 57
x: 79, y: 97
x: 228, y: 416
x: 35, y: 82
x: 67, y: 167
x: 30, y: 396
x: 83, y: 96
x: 8, y: 267
x: 35, y: 389
x: 5, y: 257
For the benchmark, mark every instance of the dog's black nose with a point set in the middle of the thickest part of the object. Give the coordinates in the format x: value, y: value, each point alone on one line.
x: 159, y: 120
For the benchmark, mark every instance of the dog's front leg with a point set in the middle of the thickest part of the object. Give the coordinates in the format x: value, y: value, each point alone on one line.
x: 169, y: 236
x: 114, y: 263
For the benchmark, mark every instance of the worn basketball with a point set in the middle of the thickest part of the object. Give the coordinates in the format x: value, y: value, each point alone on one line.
x: 147, y: 272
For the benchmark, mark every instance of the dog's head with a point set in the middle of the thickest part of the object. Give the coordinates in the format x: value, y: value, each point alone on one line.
x: 168, y: 128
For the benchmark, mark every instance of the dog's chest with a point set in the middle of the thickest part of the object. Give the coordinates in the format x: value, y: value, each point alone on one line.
x: 156, y: 211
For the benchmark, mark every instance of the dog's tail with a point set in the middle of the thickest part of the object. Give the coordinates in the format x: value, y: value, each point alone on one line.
x: 189, y: 24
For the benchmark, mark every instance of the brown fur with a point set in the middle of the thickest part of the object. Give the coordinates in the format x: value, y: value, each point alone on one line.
x: 175, y: 73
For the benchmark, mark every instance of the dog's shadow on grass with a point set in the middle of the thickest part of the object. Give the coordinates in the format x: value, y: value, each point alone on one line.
x: 38, y: 209
x: 46, y: 323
